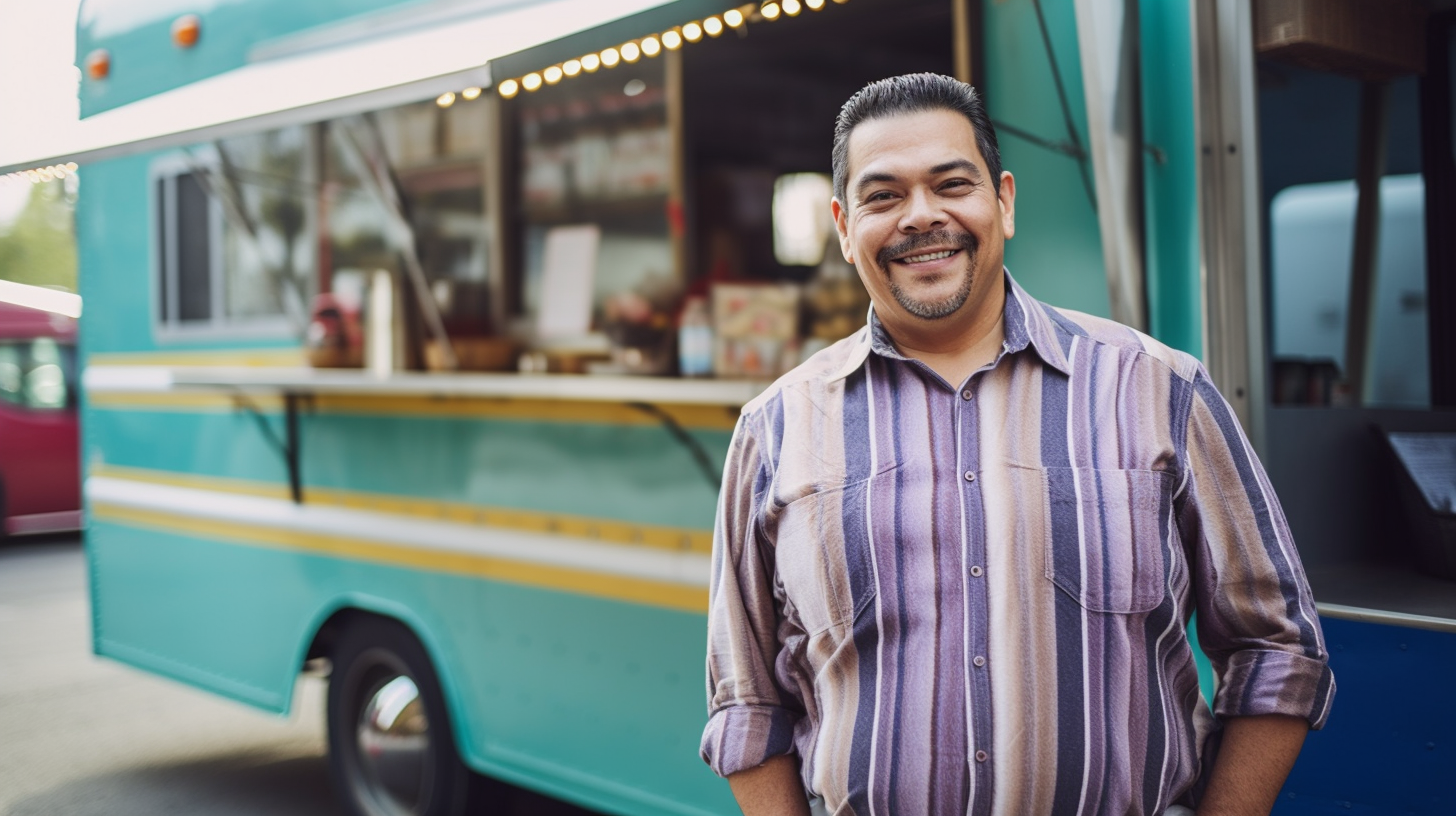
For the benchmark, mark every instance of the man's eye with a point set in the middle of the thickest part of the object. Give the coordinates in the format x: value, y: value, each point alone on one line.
x: 880, y: 196
x: 955, y: 184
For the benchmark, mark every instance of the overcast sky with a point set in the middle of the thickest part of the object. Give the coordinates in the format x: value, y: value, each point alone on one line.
x: 37, y: 78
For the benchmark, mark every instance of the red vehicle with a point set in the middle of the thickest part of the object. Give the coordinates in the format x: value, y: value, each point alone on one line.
x: 40, y: 471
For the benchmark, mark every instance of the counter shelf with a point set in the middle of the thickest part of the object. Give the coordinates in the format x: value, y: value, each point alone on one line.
x: 298, y: 386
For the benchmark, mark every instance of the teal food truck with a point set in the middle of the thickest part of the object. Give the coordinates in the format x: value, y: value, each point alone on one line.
x: 396, y: 314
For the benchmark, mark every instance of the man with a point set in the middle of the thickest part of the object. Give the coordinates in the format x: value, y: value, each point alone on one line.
x: 957, y: 552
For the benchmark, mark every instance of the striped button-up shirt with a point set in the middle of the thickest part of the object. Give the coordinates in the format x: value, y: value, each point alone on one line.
x: 974, y: 598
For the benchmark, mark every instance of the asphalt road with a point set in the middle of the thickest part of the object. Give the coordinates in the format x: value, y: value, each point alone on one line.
x: 82, y: 736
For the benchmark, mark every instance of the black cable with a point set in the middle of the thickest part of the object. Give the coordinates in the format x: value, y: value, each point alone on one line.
x: 1046, y: 39
x: 695, y: 448
x: 1056, y: 147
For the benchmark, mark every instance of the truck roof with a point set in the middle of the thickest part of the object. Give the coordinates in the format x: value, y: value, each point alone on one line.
x: 25, y: 322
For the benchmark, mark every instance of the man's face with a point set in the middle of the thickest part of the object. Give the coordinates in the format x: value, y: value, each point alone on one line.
x: 923, y: 222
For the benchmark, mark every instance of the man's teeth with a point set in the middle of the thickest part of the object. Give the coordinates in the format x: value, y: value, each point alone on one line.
x: 929, y: 256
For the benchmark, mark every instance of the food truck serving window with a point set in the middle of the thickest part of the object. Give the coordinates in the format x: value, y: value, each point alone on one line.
x: 232, y: 247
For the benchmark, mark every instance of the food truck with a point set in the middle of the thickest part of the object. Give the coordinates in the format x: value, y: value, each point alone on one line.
x: 416, y: 333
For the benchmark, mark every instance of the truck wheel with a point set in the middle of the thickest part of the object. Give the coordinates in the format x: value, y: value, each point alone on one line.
x: 391, y: 747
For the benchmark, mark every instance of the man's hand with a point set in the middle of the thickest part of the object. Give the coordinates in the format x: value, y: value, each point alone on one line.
x: 771, y: 789
x: 1253, y: 761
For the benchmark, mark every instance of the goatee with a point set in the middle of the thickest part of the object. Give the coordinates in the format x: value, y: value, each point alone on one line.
x: 931, y: 309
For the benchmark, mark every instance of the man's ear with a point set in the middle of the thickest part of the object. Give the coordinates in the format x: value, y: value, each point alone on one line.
x: 1008, y: 204
x: 841, y: 225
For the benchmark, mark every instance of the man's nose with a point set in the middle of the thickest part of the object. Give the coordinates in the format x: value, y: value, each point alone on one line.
x: 922, y: 212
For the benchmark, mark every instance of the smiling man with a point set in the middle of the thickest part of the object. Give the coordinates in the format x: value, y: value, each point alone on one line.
x: 956, y: 553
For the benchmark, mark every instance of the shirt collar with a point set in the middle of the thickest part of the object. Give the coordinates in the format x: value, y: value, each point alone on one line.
x: 1026, y: 322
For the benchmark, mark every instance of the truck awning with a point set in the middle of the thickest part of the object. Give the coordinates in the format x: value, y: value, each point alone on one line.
x: 323, y: 84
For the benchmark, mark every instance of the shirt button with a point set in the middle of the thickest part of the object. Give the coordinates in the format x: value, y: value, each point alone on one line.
x: 966, y: 394
x: 979, y: 661
x: 976, y: 572
x: 982, y: 756
x: 970, y: 477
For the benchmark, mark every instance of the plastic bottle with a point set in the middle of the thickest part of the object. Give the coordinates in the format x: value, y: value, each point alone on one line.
x: 695, y: 340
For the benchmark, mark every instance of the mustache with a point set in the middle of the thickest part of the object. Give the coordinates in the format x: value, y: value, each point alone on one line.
x: 925, y: 240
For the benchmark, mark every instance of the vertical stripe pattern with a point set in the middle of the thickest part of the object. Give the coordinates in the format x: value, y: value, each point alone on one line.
x: 973, y: 598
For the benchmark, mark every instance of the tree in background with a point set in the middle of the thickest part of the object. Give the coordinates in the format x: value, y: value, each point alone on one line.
x: 39, y: 246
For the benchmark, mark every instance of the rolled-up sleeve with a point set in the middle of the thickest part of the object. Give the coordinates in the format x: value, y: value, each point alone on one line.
x: 1256, y: 616
x: 751, y: 718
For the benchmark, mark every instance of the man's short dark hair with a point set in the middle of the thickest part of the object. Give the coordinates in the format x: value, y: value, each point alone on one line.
x: 913, y: 93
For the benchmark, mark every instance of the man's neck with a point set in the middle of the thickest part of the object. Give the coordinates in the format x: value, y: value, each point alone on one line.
x: 956, y: 351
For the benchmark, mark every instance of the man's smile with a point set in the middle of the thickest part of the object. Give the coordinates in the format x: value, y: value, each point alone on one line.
x: 927, y: 256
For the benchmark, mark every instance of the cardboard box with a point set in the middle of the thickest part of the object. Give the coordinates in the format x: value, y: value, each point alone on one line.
x: 1364, y: 39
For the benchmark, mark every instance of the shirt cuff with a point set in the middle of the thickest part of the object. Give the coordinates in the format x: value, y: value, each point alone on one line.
x: 741, y: 737
x: 1275, y: 682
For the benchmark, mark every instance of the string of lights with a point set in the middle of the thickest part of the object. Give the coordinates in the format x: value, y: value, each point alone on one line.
x: 631, y: 51
x: 39, y: 175
x: 649, y: 46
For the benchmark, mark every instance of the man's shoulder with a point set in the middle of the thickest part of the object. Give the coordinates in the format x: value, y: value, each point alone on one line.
x: 816, y: 375
x: 1110, y: 333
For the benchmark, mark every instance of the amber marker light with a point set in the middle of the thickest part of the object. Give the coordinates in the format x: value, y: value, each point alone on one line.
x: 186, y: 30
x: 470, y: 94
x: 509, y: 88
x: 692, y: 32
x: 770, y: 11
x: 531, y: 81
x: 671, y: 40
x: 713, y: 26
x: 733, y: 17
x: 590, y: 63
x: 611, y: 57
x: 571, y: 67
x: 651, y: 46
x: 98, y: 64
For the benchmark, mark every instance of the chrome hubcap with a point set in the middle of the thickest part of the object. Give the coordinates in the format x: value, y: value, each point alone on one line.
x: 395, y: 759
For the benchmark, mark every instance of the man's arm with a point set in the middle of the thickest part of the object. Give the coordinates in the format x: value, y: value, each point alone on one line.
x: 751, y: 717
x: 1256, y: 755
x: 1257, y: 621
x: 771, y: 789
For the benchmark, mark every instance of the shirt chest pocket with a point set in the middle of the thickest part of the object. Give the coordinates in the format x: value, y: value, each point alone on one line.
x: 822, y: 556
x: 1107, y: 528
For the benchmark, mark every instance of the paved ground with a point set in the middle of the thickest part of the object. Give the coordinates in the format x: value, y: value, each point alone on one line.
x: 81, y: 736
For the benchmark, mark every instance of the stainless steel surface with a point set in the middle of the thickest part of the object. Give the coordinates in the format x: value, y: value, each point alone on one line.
x: 395, y: 760
x: 1230, y: 260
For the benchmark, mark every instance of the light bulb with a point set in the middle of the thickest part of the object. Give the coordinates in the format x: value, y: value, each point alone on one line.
x: 770, y: 11
x: 552, y: 75
x: 630, y: 51
x: 509, y: 88
x: 733, y: 17
x: 713, y: 26
x: 531, y: 81
x: 672, y: 40
x: 591, y: 62
x: 470, y: 94
x: 610, y: 58
x: 692, y: 32
x: 651, y: 46
x: 571, y: 67
x: 792, y: 7
x: 445, y: 99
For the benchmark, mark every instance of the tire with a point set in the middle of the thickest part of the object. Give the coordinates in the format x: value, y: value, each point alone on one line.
x: 391, y: 747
